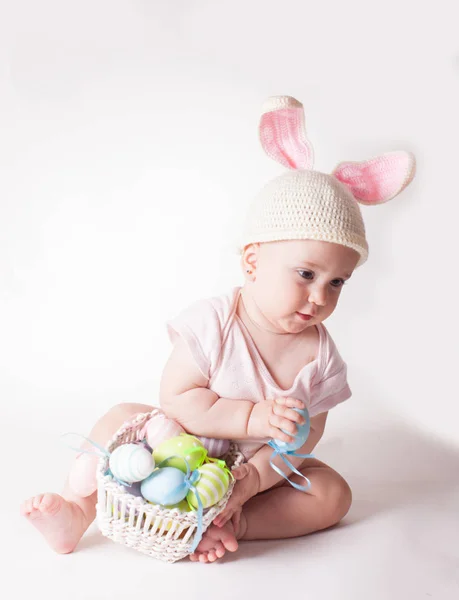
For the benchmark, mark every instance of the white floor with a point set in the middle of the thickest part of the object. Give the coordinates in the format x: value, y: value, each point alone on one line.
x: 400, y: 540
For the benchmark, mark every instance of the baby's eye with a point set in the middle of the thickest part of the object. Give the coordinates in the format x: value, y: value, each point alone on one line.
x: 338, y: 282
x: 306, y: 274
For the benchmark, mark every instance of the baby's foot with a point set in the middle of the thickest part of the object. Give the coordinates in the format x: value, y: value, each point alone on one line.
x: 247, y: 485
x: 214, y: 544
x: 62, y: 523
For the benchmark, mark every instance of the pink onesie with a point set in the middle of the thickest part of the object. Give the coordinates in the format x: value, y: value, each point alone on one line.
x: 226, y: 355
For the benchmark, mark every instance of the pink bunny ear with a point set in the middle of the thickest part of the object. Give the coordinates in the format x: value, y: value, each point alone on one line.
x: 283, y: 134
x: 377, y: 180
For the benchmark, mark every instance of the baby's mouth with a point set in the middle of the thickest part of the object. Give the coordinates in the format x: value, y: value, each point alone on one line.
x: 304, y: 317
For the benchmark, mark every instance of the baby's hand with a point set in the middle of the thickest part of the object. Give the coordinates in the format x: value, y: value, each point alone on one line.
x: 269, y: 417
x: 247, y: 485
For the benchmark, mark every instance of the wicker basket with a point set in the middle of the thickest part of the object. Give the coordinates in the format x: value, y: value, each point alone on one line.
x: 159, y: 532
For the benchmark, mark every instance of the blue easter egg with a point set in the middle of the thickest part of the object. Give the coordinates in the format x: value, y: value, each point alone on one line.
x: 301, y: 434
x: 164, y: 486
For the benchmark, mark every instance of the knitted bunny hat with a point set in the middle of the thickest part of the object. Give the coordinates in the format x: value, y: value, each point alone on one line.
x: 306, y: 204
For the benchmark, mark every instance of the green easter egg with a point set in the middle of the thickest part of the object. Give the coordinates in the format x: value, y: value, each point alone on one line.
x: 212, y: 486
x: 183, y: 445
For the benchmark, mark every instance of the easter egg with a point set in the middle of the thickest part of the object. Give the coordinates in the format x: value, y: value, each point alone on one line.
x: 186, y: 446
x: 159, y: 429
x: 164, y: 486
x: 212, y: 485
x: 134, y: 489
x: 131, y: 462
x: 215, y: 448
x: 301, y: 434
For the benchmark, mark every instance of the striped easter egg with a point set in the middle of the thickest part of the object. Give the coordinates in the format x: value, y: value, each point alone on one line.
x: 211, y: 486
x: 215, y: 448
x: 131, y: 462
x: 159, y: 429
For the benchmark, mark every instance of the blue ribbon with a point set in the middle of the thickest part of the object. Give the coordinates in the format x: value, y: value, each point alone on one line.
x: 103, y: 453
x: 190, y: 479
x: 283, y: 454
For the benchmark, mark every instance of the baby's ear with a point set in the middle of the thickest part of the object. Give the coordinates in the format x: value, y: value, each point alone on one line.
x: 377, y: 180
x: 283, y: 134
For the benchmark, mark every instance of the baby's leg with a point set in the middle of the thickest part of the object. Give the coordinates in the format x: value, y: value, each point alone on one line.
x: 62, y: 520
x: 284, y: 512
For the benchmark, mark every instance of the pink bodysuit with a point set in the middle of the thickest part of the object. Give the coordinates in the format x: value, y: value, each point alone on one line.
x: 226, y: 355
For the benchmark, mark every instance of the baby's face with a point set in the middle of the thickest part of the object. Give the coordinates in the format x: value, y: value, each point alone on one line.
x: 296, y: 278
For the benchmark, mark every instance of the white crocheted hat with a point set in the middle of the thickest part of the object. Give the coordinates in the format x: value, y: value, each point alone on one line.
x: 307, y: 204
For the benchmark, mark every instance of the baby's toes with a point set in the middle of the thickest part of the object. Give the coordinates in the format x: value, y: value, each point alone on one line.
x: 216, y: 553
x: 27, y: 507
x: 200, y: 556
x: 36, y: 501
x: 220, y: 550
x: 229, y: 541
x: 50, y: 503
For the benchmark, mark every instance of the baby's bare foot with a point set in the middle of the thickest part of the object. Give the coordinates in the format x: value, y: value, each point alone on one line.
x: 214, y: 544
x: 247, y: 485
x: 62, y: 523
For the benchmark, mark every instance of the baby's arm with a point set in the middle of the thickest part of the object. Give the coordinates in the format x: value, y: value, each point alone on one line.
x: 185, y: 397
x: 257, y: 475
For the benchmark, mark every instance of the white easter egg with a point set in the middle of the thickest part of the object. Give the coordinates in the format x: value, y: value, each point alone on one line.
x: 131, y: 462
x: 159, y: 429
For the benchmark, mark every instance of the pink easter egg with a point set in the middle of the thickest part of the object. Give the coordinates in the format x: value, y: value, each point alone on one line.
x: 159, y: 429
x: 215, y: 448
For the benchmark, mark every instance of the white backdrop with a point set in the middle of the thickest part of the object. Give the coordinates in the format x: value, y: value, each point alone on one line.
x: 129, y: 152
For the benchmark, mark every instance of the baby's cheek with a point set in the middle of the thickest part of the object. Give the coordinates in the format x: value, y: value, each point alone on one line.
x: 333, y: 299
x: 296, y: 296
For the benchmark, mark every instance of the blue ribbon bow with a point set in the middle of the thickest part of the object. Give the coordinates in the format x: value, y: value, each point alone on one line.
x: 283, y: 454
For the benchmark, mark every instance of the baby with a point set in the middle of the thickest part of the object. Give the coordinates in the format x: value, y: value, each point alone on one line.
x: 242, y: 362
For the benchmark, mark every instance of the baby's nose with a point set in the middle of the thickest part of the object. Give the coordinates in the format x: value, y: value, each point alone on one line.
x: 318, y: 297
